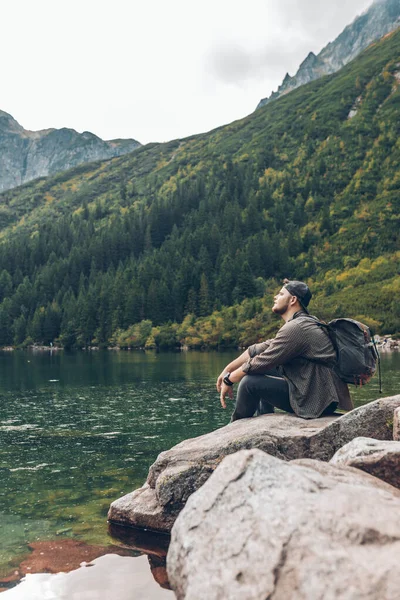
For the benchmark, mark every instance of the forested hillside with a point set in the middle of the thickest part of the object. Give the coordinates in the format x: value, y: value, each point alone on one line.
x: 156, y: 245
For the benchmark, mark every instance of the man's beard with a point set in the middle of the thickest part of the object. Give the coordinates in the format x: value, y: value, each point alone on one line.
x: 280, y: 311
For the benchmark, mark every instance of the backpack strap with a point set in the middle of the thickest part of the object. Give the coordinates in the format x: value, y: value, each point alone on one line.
x: 331, y: 335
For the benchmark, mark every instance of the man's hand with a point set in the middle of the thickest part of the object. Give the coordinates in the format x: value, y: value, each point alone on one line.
x: 220, y: 380
x: 225, y: 389
x: 231, y: 367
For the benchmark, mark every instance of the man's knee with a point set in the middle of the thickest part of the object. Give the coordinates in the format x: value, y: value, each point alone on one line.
x: 249, y: 383
x: 242, y: 391
x: 243, y: 384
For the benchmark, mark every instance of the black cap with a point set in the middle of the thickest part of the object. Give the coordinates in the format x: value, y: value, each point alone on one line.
x: 301, y: 291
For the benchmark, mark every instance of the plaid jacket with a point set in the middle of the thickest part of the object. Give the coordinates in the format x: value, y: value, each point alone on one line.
x: 312, y: 385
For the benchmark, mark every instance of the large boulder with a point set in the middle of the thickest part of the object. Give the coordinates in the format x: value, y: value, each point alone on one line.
x: 377, y: 457
x: 396, y: 425
x: 264, y: 528
x: 183, y: 469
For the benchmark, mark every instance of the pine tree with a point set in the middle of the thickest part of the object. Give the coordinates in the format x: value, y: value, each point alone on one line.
x: 204, y: 301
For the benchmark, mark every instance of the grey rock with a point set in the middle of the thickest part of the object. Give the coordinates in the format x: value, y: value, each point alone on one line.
x: 262, y: 528
x: 381, y: 18
x: 183, y: 469
x: 26, y: 155
x: 376, y: 457
x: 396, y: 425
x: 141, y: 509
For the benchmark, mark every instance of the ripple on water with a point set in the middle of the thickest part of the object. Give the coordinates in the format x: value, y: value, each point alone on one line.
x: 35, y: 468
x: 19, y: 427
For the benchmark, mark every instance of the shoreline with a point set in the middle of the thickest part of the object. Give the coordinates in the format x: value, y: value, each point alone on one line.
x: 118, y: 349
x: 391, y: 346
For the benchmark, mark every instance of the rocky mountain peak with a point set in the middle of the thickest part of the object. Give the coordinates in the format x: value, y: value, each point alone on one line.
x: 311, y: 58
x: 8, y: 123
x: 381, y: 18
x: 27, y: 155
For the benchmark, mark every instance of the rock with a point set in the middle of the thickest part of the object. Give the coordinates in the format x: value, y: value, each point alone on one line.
x: 180, y: 471
x: 379, y: 458
x: 264, y: 528
x: 396, y: 425
x: 26, y: 155
x: 141, y: 509
x: 380, y: 18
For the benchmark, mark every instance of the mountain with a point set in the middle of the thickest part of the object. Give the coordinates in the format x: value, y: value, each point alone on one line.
x: 27, y: 155
x: 381, y: 18
x: 186, y: 242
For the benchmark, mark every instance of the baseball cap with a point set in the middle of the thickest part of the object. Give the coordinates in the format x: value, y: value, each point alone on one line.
x: 301, y: 291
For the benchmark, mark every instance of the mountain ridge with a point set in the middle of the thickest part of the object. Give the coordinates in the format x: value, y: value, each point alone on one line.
x: 382, y: 17
x: 26, y: 155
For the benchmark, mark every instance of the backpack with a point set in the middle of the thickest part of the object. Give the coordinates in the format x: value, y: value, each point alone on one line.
x: 356, y: 352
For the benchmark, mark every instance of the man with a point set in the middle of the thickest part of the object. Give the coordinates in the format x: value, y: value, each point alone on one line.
x: 293, y: 371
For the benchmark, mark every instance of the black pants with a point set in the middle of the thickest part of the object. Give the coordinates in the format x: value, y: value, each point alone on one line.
x: 261, y: 393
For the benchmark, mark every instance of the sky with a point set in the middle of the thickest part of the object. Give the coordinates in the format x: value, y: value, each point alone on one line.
x: 155, y: 70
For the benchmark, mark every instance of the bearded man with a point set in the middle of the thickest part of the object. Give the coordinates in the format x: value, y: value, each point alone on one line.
x: 293, y: 371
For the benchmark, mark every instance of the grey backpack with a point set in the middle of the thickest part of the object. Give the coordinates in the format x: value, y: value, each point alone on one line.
x: 356, y: 352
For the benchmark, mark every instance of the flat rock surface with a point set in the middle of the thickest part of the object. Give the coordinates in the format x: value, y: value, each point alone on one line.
x: 377, y: 457
x: 262, y: 528
x: 183, y: 469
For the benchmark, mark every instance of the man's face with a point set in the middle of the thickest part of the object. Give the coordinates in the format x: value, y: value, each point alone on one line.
x: 281, y: 301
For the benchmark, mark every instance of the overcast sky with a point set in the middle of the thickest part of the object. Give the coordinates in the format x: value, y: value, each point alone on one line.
x: 155, y: 70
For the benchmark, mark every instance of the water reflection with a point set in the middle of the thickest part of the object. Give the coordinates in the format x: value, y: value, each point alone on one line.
x: 155, y: 545
x: 29, y: 370
x: 106, y: 577
x: 147, y: 542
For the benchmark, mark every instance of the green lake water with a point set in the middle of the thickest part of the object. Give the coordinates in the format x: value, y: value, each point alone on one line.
x: 79, y: 430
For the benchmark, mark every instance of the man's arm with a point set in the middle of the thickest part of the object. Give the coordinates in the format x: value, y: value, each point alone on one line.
x: 235, y: 369
x: 289, y: 342
x: 233, y: 366
x: 242, y: 359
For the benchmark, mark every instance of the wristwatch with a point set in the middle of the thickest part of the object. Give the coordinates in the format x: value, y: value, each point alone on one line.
x: 227, y: 381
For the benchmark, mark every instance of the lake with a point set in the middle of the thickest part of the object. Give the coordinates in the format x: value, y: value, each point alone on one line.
x: 78, y: 430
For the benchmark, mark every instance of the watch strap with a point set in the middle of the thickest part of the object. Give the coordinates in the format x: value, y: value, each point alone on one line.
x: 227, y: 381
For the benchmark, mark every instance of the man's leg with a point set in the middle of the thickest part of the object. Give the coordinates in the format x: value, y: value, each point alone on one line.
x: 330, y: 409
x: 264, y: 407
x: 270, y: 389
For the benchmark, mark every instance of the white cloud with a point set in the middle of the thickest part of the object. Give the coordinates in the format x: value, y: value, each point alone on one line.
x: 154, y: 70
